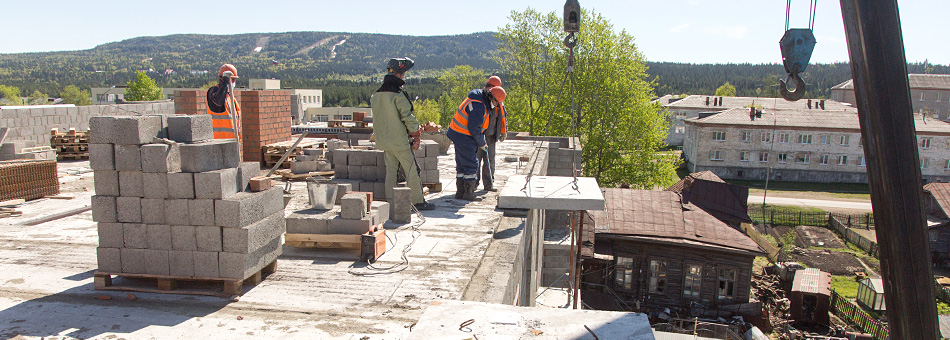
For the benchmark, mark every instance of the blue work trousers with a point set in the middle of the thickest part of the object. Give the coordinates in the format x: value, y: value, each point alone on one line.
x: 466, y: 161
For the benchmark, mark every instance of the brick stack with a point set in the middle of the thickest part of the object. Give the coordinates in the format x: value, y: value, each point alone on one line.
x: 355, y: 215
x: 366, y: 169
x: 28, y: 179
x: 265, y: 119
x: 179, y: 209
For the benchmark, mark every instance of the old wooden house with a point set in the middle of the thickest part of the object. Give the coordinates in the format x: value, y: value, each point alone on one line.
x: 937, y: 208
x: 649, y: 250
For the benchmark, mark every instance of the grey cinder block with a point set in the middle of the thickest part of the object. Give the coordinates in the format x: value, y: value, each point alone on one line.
x: 379, y: 190
x: 137, y: 129
x: 207, y: 156
x: 400, y: 208
x: 381, y: 158
x: 419, y: 153
x: 101, y: 129
x: 181, y: 263
x: 153, y: 210
x: 342, y: 188
x: 156, y: 262
x: 181, y: 185
x: 368, y: 173
x: 206, y: 264
x: 184, y: 237
x: 130, y: 184
x: 355, y: 172
x: 367, y: 186
x: 380, y: 212
x: 159, y: 236
x: 101, y: 156
x: 104, y: 209
x: 129, y: 209
x: 110, y: 235
x: 430, y: 163
x: 310, y: 221
x: 246, y: 171
x: 431, y: 148
x: 343, y: 226
x: 242, y: 266
x: 201, y: 212
x: 353, y: 206
x: 109, y: 259
x: 248, y: 239
x: 190, y: 128
x: 135, y: 235
x: 340, y: 156
x: 106, y: 182
x: 208, y: 238
x: 244, y: 208
x: 161, y: 158
x: 341, y: 172
x: 380, y: 172
x: 133, y: 260
x: 176, y: 212
x: 128, y: 157
x: 155, y: 185
x: 216, y: 184
x: 431, y: 176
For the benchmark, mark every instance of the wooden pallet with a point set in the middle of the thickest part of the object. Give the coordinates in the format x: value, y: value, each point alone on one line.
x: 433, y: 187
x: 72, y: 156
x: 180, y: 284
x: 371, y: 245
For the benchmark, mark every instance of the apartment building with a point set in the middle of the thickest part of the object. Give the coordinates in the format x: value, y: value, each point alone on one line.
x: 929, y: 93
x: 108, y: 95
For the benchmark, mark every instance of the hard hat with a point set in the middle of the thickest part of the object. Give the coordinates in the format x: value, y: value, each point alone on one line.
x: 399, y: 65
x: 498, y: 93
x: 493, y: 81
x: 228, y: 67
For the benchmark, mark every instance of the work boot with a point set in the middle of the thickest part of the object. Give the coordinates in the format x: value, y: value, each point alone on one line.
x: 489, y: 187
x: 459, y: 188
x: 469, y: 194
x: 425, y: 206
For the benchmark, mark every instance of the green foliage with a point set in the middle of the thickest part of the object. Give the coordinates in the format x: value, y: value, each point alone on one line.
x: 37, y: 98
x: 942, y: 307
x: 71, y: 94
x: 427, y: 110
x: 726, y: 90
x: 142, y: 89
x: 788, y: 243
x: 10, y: 95
x: 619, y: 128
x: 846, y: 286
x: 456, y: 84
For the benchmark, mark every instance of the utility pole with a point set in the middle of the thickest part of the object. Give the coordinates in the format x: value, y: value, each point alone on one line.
x: 879, y: 70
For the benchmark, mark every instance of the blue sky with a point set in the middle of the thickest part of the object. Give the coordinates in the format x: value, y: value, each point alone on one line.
x: 697, y: 31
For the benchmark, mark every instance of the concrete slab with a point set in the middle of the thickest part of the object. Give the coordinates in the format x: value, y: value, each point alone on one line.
x: 551, y: 192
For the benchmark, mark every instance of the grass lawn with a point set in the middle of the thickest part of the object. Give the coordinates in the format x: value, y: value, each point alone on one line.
x: 840, y: 190
x: 846, y: 286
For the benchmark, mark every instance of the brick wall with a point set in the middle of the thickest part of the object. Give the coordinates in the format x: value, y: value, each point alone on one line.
x: 190, y: 102
x: 265, y: 119
x: 34, y: 124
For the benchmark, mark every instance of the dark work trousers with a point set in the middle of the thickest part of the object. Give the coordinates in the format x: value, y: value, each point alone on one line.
x: 466, y: 161
x: 487, y: 168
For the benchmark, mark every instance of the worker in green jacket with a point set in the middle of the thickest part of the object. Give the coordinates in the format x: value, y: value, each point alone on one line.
x: 397, y: 131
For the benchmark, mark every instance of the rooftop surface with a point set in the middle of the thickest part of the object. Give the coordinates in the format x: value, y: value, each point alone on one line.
x: 916, y: 81
x: 699, y: 102
x: 806, y: 119
x: 47, y: 270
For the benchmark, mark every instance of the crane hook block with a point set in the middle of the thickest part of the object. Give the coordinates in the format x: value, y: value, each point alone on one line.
x: 799, y: 88
x: 797, y: 45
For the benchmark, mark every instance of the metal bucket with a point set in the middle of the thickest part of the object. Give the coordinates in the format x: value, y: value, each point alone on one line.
x: 322, y: 193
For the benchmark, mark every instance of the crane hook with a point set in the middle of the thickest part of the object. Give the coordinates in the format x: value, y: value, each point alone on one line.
x: 799, y: 88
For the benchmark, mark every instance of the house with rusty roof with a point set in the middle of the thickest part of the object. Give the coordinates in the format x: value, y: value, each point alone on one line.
x: 929, y: 93
x: 724, y: 201
x: 652, y: 250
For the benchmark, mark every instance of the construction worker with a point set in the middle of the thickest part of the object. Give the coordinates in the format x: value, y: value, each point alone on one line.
x: 497, y: 131
x: 219, y: 98
x: 397, y: 130
x: 471, y: 118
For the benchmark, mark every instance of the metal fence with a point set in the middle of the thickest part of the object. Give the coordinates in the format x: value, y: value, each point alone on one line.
x: 846, y: 309
x: 866, y: 244
x: 782, y: 216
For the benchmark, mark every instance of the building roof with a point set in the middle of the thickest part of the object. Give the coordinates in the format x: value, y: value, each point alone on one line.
x: 915, y: 81
x: 805, y: 119
x: 876, y: 284
x: 661, y: 217
x: 941, y: 194
x: 699, y: 102
x: 812, y: 281
x: 724, y: 201
x: 704, y: 175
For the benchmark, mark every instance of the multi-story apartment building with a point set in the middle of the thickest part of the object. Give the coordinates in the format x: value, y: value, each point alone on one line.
x: 929, y: 93
x: 800, y: 146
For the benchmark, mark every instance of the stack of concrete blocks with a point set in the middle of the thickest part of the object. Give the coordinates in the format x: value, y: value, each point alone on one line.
x: 25, y: 149
x: 563, y: 160
x: 365, y: 169
x: 355, y: 215
x: 311, y: 160
x: 179, y: 208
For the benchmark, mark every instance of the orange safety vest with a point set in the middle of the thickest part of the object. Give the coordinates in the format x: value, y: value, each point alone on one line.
x: 221, y: 122
x: 460, y: 121
x: 502, y: 120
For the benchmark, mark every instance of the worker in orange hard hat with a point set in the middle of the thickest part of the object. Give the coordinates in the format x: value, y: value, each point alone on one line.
x: 226, y: 124
x: 466, y: 133
x: 497, y: 131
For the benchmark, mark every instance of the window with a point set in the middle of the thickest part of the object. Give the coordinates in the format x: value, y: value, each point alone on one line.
x: 715, y: 155
x: 746, y: 136
x: 783, y: 138
x: 767, y: 137
x: 693, y: 282
x: 624, y: 279
x: 938, y: 97
x: 679, y: 115
x: 719, y: 135
x: 727, y: 284
x: 921, y: 95
x: 743, y: 156
x: 802, y: 158
x: 842, y: 160
x: 783, y: 157
x: 925, y: 143
x: 924, y: 163
x: 825, y: 139
x: 946, y: 165
x: 657, y: 276
x: 934, y: 235
x: 680, y: 129
x: 823, y: 160
x: 936, y: 114
x: 861, y: 161
x: 763, y: 157
x: 860, y: 142
x: 804, y: 139
x: 845, y: 140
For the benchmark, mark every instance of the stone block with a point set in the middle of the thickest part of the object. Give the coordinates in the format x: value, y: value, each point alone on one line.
x: 153, y: 210
x: 155, y: 185
x: 340, y: 156
x: 216, y: 184
x: 201, y: 211
x: 379, y: 190
x: 342, y: 188
x: 341, y: 171
x: 101, y: 156
x: 208, y: 238
x: 244, y: 208
x: 430, y: 163
x: 137, y: 129
x: 133, y: 260
x: 303, y: 167
x: 353, y: 206
x: 161, y: 158
x: 109, y: 259
x: 248, y: 239
x: 104, y: 209
x: 206, y: 264
x: 367, y: 186
x: 369, y: 173
x: 381, y: 158
x: 176, y: 212
x: 101, y: 130
x: 207, y: 156
x: 159, y: 236
x: 181, y: 185
x: 128, y: 209
x: 242, y: 266
x: 400, y: 208
x: 135, y: 235
x: 381, y: 172
x: 246, y: 171
x: 431, y: 148
x: 430, y: 176
x: 130, y: 184
x: 128, y: 157
x: 181, y: 263
x: 380, y: 212
x: 310, y: 221
x: 110, y: 235
x: 106, y: 182
x: 339, y: 225
x: 184, y: 237
x: 156, y: 262
x: 190, y: 128
x: 355, y: 172
x: 419, y: 153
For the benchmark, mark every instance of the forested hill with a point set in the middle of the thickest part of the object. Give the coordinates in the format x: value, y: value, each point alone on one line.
x: 346, y: 65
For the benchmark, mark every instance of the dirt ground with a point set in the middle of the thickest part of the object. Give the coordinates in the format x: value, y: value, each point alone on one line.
x: 818, y: 247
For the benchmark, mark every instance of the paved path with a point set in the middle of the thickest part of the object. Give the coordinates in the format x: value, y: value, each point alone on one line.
x: 804, y: 202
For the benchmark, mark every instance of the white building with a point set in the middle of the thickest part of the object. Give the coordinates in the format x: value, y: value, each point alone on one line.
x: 929, y: 94
x: 108, y: 95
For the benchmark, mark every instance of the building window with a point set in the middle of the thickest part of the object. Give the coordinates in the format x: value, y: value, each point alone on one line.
x: 934, y: 235
x: 783, y: 138
x: 680, y: 130
x: 842, y: 160
x: 657, y: 276
x: 804, y: 139
x: 823, y: 160
x: 946, y: 165
x: 861, y: 161
x: 924, y: 163
x: 845, y: 140
x: 925, y: 143
x: 860, y: 142
x: 763, y: 157
x: 921, y: 95
x: 802, y: 158
x: 719, y: 135
x: 825, y: 139
x: 693, y: 282
x: 715, y: 155
x: 743, y: 156
x: 624, y: 279
x: 783, y: 157
x: 767, y: 137
x: 938, y: 97
x: 936, y: 114
x: 746, y: 136
x: 727, y: 284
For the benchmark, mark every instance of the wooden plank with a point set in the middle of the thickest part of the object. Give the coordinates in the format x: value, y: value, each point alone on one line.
x: 11, y: 203
x: 325, y: 238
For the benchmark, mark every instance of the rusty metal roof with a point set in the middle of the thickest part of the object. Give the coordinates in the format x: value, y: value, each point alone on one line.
x: 916, y: 81
x: 660, y: 216
x: 941, y: 194
x: 694, y: 102
x: 706, y: 175
x: 812, y: 281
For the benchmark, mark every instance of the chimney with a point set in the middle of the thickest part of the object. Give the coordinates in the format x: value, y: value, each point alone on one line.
x: 720, y: 101
x: 809, y: 104
x: 822, y: 104
x: 752, y: 113
x: 707, y: 100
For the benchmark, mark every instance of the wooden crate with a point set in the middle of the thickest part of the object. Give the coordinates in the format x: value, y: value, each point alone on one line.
x: 179, y: 284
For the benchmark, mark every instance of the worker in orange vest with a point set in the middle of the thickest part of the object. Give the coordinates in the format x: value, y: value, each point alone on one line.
x: 497, y: 131
x: 470, y: 120
x: 220, y: 97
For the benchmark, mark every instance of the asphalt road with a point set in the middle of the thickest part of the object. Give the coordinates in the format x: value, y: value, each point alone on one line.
x: 804, y: 202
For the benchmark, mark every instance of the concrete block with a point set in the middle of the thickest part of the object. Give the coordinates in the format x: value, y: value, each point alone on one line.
x: 367, y: 186
x: 184, y: 237
x: 155, y: 185
x: 206, y: 264
x: 137, y: 129
x: 400, y: 208
x: 369, y: 173
x: 244, y: 208
x: 355, y: 172
x: 181, y: 185
x: 340, y: 156
x: 302, y: 167
x: 130, y: 184
x: 343, y: 226
x: 128, y: 209
x: 419, y: 153
x: 156, y: 262
x: 216, y: 184
x: 110, y: 235
x: 342, y: 188
x: 430, y: 163
x: 381, y: 172
x: 355, y: 157
x: 161, y: 158
x: 176, y: 212
x: 153, y: 210
x: 380, y: 212
x: 109, y: 259
x: 250, y: 238
x: 431, y: 148
x: 207, y: 156
x: 310, y: 221
x: 159, y: 236
x: 242, y: 266
x: 101, y: 129
x: 208, y: 238
x: 135, y: 235
x: 104, y: 209
x: 128, y: 157
x: 379, y: 190
x: 133, y: 260
x: 190, y: 128
x: 201, y: 211
x: 381, y: 158
x: 101, y: 156
x: 315, y: 152
x: 163, y: 131
x: 246, y: 171
x: 181, y: 263
x: 353, y: 206
x: 430, y: 176
x: 341, y: 171
x: 106, y: 182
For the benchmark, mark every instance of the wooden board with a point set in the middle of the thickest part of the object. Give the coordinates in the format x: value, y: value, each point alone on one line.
x: 184, y: 285
x: 323, y: 241
x: 433, y: 187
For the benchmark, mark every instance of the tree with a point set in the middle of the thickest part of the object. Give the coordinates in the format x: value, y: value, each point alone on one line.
x: 38, y: 98
x: 726, y: 90
x: 10, y: 95
x: 427, y: 110
x: 142, y: 89
x: 620, y: 129
x: 73, y: 95
x: 456, y: 84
